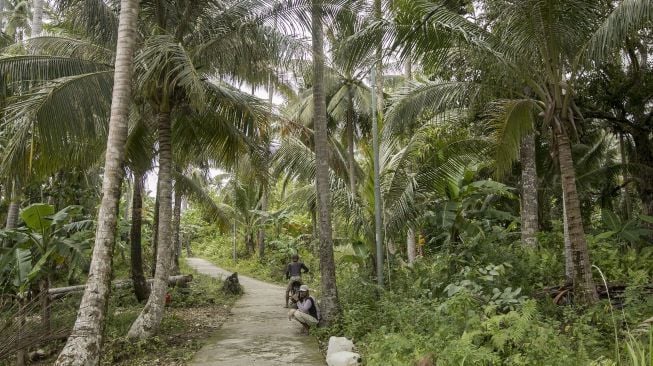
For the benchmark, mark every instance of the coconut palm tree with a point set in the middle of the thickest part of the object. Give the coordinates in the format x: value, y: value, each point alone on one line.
x: 176, y: 80
x: 327, y: 264
x: 545, y: 45
x: 85, y: 341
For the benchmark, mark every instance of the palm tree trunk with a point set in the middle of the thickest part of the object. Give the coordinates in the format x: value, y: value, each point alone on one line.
x: 37, y: 17
x: 44, y: 286
x: 141, y: 288
x: 261, y: 231
x: 644, y: 156
x: 176, y: 222
x: 327, y: 264
x: 129, y: 191
x: 351, y: 158
x: 14, y: 207
x: 155, y: 233
x: 569, y: 263
x: 189, y: 252
x: 84, y: 345
x: 249, y: 243
x: 148, y: 322
x: 378, y: 14
x: 584, y: 288
x: 529, y: 209
x: 411, y: 250
x: 628, y: 206
x: 265, y: 184
x: 376, y: 126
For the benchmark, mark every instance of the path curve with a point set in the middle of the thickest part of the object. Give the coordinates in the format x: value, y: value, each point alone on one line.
x: 257, y: 332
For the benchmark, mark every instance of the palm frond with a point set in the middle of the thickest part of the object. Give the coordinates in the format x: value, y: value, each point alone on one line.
x: 97, y: 19
x: 66, y: 118
x: 22, y: 72
x: 194, y: 190
x: 162, y: 63
x: 509, y: 121
x: 421, y: 98
x: 75, y: 48
x: 627, y: 18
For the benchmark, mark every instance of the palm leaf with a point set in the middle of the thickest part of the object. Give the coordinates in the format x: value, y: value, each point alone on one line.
x: 627, y: 18
x: 509, y: 120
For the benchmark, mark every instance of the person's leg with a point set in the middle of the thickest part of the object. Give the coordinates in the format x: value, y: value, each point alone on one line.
x: 288, y: 288
x: 305, y: 320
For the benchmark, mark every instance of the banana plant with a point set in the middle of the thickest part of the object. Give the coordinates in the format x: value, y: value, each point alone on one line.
x: 46, y: 241
x: 469, y: 210
x: 633, y: 231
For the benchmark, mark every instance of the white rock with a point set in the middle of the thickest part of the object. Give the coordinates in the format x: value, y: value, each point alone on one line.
x: 339, y: 344
x: 343, y: 358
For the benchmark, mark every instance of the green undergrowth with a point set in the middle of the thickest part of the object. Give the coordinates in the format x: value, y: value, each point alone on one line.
x: 194, y: 314
x: 478, y: 303
x: 483, y: 303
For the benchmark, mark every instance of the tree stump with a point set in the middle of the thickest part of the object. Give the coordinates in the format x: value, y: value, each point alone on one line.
x: 231, y: 285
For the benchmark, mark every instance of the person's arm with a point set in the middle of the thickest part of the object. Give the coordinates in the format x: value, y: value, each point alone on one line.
x: 288, y: 272
x: 305, y: 306
x: 304, y: 268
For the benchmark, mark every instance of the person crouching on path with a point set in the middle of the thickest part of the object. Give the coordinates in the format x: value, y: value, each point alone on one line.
x: 307, y: 312
x: 294, y: 273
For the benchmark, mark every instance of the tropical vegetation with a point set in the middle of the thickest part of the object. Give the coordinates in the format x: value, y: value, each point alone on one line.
x: 470, y: 181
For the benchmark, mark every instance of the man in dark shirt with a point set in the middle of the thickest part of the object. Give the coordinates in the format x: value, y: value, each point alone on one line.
x: 294, y: 273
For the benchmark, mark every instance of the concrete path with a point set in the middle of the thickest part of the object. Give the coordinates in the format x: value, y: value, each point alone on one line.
x: 258, y: 332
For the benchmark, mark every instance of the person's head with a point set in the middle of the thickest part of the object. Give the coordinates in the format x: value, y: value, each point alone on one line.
x: 295, y: 257
x: 303, y: 291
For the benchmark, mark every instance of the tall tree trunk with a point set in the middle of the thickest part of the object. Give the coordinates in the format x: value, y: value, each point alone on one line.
x: 261, y: 231
x: 644, y: 156
x: 44, y: 286
x: 625, y: 192
x: 249, y: 243
x: 141, y: 288
x: 37, y: 17
x: 376, y: 126
x: 84, y: 345
x: 265, y: 185
x: 327, y: 264
x: 14, y: 206
x: 584, y: 288
x: 411, y: 250
x: 189, y: 252
x: 148, y: 322
x: 155, y: 233
x: 569, y: 256
x: 380, y: 102
x: 529, y: 208
x: 351, y: 157
x: 129, y: 191
x: 176, y: 223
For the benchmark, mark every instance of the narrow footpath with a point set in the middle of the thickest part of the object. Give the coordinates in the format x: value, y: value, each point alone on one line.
x: 257, y: 332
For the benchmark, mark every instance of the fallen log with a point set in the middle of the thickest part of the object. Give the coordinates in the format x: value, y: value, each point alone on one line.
x: 180, y: 280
